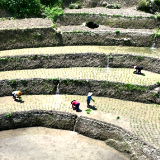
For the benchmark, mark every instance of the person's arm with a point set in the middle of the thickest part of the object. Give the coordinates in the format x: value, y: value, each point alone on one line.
x: 72, y: 105
x: 92, y: 99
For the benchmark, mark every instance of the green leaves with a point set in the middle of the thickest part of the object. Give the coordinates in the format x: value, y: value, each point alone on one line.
x: 53, y: 12
x: 88, y: 111
x: 23, y: 8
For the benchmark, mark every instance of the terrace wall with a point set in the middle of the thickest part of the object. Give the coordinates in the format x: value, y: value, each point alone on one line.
x: 113, y: 21
x: 43, y: 37
x: 114, y: 136
x: 78, y: 60
x: 29, y: 38
x: 117, y: 90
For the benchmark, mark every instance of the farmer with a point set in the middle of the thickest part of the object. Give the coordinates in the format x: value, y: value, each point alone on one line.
x: 76, y: 105
x: 89, y: 98
x: 138, y: 69
x: 16, y: 94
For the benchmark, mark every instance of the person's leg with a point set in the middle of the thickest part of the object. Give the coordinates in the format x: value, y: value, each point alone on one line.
x: 88, y: 104
x: 13, y: 97
x: 77, y: 107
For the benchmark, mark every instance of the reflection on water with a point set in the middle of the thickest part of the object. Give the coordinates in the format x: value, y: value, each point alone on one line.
x: 39, y: 143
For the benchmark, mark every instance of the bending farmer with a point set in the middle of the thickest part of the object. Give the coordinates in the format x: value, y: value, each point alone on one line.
x: 76, y: 105
x: 16, y: 94
x: 89, y: 98
x: 138, y: 69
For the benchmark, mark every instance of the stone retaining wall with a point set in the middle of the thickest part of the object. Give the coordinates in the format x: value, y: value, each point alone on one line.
x: 82, y: 60
x: 114, y: 136
x: 29, y: 38
x: 117, y: 90
x: 48, y: 37
x: 53, y: 61
x: 107, y: 38
x: 113, y: 21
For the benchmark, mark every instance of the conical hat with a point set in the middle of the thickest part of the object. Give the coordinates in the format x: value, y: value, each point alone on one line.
x: 90, y: 93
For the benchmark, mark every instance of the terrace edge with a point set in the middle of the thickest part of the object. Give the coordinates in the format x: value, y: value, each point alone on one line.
x: 66, y: 60
x: 114, y: 136
x: 49, y: 37
x: 48, y: 86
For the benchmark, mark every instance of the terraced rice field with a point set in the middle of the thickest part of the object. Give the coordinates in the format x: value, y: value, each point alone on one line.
x: 124, y: 75
x: 139, y: 118
x: 145, y: 51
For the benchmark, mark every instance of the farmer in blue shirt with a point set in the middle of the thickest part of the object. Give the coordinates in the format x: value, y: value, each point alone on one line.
x: 89, y: 98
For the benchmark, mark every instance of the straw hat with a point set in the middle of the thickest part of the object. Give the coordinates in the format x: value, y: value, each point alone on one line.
x: 19, y: 93
x: 90, y: 94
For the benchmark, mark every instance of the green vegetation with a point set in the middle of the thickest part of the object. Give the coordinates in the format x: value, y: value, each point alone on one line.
x: 53, y: 3
x: 88, y: 111
x: 117, y: 32
x: 12, y: 82
x: 33, y: 8
x: 4, y: 59
x: 139, y: 58
x: 25, y: 8
x: 144, y: 5
x: 8, y: 115
x: 53, y: 12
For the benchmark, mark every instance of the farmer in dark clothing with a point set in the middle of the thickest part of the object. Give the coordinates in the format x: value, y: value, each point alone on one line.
x: 76, y: 105
x: 138, y: 69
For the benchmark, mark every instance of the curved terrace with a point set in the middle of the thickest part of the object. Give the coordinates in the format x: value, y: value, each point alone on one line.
x: 66, y: 60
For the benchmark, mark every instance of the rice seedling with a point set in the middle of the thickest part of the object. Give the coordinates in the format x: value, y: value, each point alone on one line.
x: 145, y: 51
x: 123, y: 75
x: 141, y: 119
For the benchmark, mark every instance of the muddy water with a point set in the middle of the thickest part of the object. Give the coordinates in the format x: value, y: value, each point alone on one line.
x: 39, y: 143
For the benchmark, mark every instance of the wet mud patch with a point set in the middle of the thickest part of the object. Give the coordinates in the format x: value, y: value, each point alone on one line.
x: 51, y: 144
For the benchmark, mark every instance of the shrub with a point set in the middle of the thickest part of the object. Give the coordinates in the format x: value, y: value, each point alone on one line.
x: 157, y: 2
x: 1, y: 3
x: 53, y: 3
x: 144, y: 5
x: 53, y: 12
x: 71, y: 6
x: 23, y: 8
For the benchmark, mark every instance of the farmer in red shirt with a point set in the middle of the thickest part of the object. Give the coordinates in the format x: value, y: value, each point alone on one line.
x: 75, y: 104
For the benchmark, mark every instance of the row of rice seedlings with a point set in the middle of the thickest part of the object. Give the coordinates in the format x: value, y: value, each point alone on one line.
x: 83, y: 49
x: 124, y: 75
x: 143, y: 118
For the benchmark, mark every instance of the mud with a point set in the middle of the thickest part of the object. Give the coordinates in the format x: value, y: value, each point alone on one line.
x: 51, y: 144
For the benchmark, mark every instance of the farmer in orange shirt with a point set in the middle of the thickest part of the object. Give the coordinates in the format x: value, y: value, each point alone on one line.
x: 16, y: 94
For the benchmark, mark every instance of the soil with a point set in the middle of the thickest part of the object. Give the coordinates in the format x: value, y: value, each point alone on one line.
x: 45, y: 22
x: 123, y: 11
x: 51, y: 144
x: 25, y: 23
x: 103, y: 28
